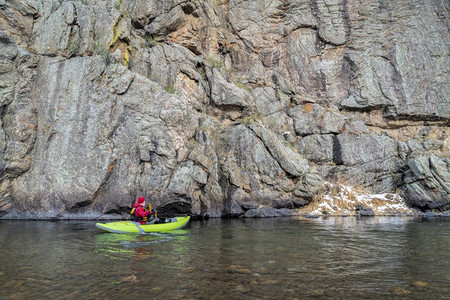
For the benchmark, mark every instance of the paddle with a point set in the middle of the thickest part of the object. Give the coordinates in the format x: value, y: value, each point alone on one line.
x: 154, y: 212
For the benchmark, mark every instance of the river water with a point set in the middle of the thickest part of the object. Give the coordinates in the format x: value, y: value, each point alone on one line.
x: 282, y: 258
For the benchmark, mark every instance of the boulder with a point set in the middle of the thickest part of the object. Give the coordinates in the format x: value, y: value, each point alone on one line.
x: 366, y: 212
x: 427, y: 182
x: 311, y: 184
x: 249, y: 205
x: 282, y: 203
x: 235, y: 209
x: 262, y: 212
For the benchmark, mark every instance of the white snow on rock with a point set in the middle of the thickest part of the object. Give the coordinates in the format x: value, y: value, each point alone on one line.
x: 341, y: 199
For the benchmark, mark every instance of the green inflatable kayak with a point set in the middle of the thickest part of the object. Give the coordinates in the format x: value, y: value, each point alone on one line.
x: 135, y: 227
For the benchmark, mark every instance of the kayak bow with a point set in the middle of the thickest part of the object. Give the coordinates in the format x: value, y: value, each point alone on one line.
x: 135, y: 227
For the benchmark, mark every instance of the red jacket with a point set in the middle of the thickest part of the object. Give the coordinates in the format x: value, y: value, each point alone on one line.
x: 141, y: 212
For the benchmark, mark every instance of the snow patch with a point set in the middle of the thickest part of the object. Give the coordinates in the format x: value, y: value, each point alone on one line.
x: 343, y: 199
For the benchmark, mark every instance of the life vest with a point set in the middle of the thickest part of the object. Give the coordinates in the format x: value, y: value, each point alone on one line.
x: 136, y: 218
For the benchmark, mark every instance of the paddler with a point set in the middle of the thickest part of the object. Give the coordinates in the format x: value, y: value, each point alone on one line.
x: 139, y: 213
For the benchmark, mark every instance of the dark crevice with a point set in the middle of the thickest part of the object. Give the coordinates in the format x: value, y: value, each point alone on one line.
x: 136, y: 24
x: 230, y: 107
x: 193, y: 49
x: 337, y: 151
x: 417, y: 118
x: 368, y: 108
x: 320, y: 43
x: 349, y: 68
x: 150, y: 20
x: 79, y: 205
x: 188, y: 9
x: 180, y: 206
x: 224, y: 184
x: 346, y: 19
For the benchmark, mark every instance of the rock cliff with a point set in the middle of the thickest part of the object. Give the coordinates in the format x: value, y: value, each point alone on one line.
x: 220, y: 107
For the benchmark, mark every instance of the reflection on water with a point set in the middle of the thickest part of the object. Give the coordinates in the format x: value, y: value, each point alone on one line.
x: 116, y: 245
x: 382, y: 257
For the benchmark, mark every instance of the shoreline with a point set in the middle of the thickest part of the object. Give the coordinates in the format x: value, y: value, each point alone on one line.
x: 427, y: 215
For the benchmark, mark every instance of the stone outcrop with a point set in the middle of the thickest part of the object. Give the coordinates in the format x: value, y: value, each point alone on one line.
x: 428, y: 182
x: 220, y: 108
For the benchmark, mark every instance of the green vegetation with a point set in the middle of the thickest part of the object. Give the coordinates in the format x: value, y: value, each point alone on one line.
x: 251, y: 119
x: 118, y: 5
x: 242, y: 85
x: 120, y: 43
x: 170, y: 88
x: 154, y: 40
x: 73, y: 46
x: 102, y: 50
x: 218, y: 2
x: 214, y: 62
x: 292, y: 146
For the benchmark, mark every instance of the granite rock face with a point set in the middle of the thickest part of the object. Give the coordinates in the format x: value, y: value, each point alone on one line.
x: 428, y: 182
x: 220, y: 108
